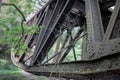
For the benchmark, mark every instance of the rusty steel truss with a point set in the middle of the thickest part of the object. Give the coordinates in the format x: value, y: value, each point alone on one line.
x: 96, y: 22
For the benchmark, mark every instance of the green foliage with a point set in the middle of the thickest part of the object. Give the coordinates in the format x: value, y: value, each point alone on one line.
x: 12, y: 36
x: 4, y: 65
x: 26, y: 6
x: 9, y: 72
x: 10, y: 24
x: 32, y: 29
x: 12, y: 76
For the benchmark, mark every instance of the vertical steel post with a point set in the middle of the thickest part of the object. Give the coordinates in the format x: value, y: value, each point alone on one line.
x: 94, y: 26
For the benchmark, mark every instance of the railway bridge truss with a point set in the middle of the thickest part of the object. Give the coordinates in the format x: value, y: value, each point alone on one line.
x: 65, y: 24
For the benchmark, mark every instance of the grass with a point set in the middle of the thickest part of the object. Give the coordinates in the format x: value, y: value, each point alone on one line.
x: 11, y: 75
x: 9, y: 72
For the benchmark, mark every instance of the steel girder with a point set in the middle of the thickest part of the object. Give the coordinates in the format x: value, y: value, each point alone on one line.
x: 101, y: 47
x: 52, y: 27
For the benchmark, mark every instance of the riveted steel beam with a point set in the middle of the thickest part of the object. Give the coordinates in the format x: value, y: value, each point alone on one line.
x: 100, y: 58
x: 50, y: 38
x: 46, y: 29
x: 94, y: 26
x: 80, y: 68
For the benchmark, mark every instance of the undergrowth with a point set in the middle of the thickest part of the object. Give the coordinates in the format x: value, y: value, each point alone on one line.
x: 9, y: 72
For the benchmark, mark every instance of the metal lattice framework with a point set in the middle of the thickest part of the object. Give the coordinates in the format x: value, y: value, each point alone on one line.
x: 65, y: 23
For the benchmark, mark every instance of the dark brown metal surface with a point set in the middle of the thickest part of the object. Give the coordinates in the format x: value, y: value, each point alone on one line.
x: 96, y: 22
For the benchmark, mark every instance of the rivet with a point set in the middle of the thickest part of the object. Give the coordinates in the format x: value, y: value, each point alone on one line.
x: 112, y: 49
x: 116, y: 46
